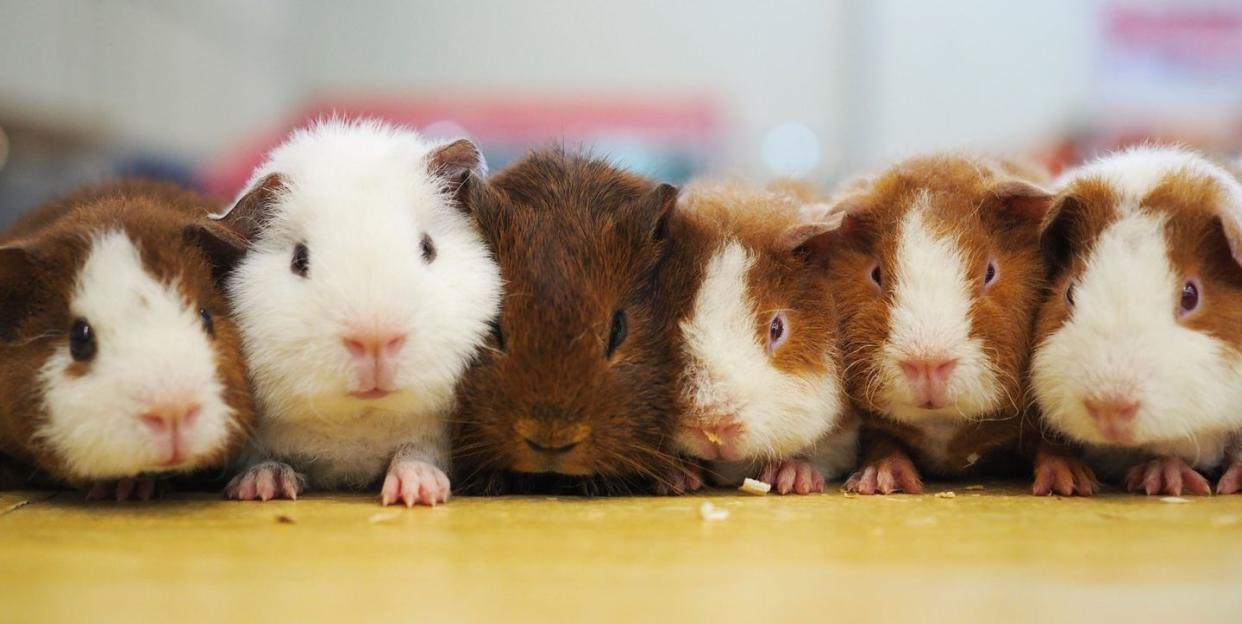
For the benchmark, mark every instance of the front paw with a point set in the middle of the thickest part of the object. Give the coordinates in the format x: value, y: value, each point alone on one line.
x: 1063, y: 475
x: 1231, y: 481
x: 414, y: 482
x: 1168, y: 476
x: 123, y: 490
x: 793, y: 475
x: 266, y: 481
x: 895, y: 473
x: 682, y: 479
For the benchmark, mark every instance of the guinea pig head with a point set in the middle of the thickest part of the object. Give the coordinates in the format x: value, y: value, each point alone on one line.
x: 1140, y: 337
x: 576, y: 379
x: 939, y: 275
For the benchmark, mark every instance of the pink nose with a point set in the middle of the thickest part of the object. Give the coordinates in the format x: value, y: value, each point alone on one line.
x: 722, y: 439
x: 374, y: 355
x: 929, y: 378
x: 1114, y: 416
x: 169, y: 423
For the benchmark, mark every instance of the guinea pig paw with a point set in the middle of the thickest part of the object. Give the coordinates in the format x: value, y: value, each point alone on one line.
x: 680, y: 480
x: 1166, y: 476
x: 266, y: 481
x: 1063, y: 476
x: 1231, y: 481
x: 793, y: 476
x: 895, y: 473
x: 123, y: 490
x: 414, y: 482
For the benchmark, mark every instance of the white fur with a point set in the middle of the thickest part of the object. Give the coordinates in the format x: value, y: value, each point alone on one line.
x: 151, y: 348
x: 360, y: 197
x: 1123, y: 336
x: 730, y: 372
x: 930, y: 317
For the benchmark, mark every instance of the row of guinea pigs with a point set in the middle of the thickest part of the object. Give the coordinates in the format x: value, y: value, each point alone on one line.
x: 374, y: 309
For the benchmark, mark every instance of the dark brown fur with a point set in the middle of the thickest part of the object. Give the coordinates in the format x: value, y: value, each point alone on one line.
x: 577, y: 240
x: 40, y: 257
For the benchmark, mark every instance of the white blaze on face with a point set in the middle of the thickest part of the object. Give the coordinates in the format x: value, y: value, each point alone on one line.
x: 930, y: 318
x: 151, y: 349
x: 1122, y: 339
x: 730, y: 373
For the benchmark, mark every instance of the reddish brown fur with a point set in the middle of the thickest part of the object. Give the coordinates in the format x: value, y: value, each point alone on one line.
x: 576, y: 240
x: 176, y: 241
x: 965, y: 204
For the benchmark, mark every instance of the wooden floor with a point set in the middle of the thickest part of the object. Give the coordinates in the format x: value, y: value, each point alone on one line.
x: 994, y: 555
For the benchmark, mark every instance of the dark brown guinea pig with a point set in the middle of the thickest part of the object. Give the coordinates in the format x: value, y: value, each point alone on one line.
x: 575, y: 385
x: 118, y: 361
x: 939, y: 274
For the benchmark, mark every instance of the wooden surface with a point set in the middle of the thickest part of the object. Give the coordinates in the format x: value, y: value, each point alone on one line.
x: 995, y: 555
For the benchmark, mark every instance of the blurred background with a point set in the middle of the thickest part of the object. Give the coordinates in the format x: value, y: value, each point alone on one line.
x: 196, y: 91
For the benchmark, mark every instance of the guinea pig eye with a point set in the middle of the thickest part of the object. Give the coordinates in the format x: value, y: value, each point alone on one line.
x: 1190, y: 298
x: 429, y: 249
x: 208, y: 325
x: 300, y: 264
x: 876, y: 277
x: 989, y: 274
x: 497, y: 334
x: 778, y: 331
x: 82, y: 345
x: 1069, y: 294
x: 616, y: 335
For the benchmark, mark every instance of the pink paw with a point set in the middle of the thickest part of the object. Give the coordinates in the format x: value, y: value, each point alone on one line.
x: 895, y: 473
x: 683, y: 479
x: 1169, y: 476
x: 414, y: 482
x: 123, y: 490
x: 1231, y: 481
x: 793, y: 475
x: 1065, y: 476
x: 265, y: 481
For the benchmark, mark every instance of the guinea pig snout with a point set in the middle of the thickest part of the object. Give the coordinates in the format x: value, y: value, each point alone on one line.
x: 1113, y: 416
x: 170, y: 424
x: 929, y: 378
x: 552, y: 448
x: 717, y: 439
x: 373, y: 354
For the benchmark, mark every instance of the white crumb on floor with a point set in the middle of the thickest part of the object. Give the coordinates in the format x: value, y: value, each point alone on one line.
x: 712, y: 513
x: 1174, y: 499
x: 755, y: 487
x: 383, y: 516
x: 948, y: 494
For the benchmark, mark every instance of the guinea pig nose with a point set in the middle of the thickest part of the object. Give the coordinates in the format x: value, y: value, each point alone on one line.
x: 551, y: 450
x: 162, y: 417
x: 934, y: 370
x: 1111, y: 410
x: 373, y: 344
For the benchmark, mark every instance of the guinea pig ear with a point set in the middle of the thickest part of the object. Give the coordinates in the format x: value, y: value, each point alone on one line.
x: 18, y: 288
x: 223, y: 247
x: 255, y: 208
x: 1056, y: 231
x: 1230, y: 218
x: 457, y: 163
x: 811, y: 240
x: 656, y: 208
x: 1025, y: 201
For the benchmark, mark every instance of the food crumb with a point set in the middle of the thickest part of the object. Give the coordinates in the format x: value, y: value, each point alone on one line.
x: 755, y: 487
x: 711, y: 513
x: 948, y: 494
x: 283, y: 519
x: 850, y: 494
x: 1174, y: 499
x: 975, y: 487
x: 383, y: 516
x: 972, y: 459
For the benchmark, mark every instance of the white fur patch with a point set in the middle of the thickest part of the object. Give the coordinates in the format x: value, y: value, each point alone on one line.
x: 930, y: 317
x: 151, y: 348
x: 360, y: 198
x: 731, y: 374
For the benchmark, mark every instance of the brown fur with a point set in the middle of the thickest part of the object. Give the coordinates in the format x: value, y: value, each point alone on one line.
x: 576, y: 240
x: 977, y: 201
x: 48, y: 247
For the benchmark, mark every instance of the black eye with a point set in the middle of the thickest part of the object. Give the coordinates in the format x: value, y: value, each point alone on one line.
x: 429, y: 249
x: 82, y: 344
x: 876, y: 277
x: 617, y: 335
x: 777, y: 331
x: 1190, y: 298
x: 989, y: 274
x: 1069, y: 294
x: 208, y: 325
x: 301, y: 260
x: 497, y: 335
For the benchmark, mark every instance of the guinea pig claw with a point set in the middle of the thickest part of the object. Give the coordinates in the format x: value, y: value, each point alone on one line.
x: 1168, y: 476
x: 413, y: 482
x: 1231, y: 481
x: 683, y: 479
x: 793, y: 476
x: 266, y: 481
x: 123, y: 490
x: 895, y: 473
x: 1063, y: 476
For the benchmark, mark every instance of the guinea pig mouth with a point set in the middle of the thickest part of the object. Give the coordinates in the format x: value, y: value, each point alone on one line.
x: 370, y: 395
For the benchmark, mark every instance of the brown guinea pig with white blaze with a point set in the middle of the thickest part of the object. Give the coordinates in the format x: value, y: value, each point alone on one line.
x: 1139, y: 352
x: 760, y: 389
x: 119, y: 364
x: 938, y: 274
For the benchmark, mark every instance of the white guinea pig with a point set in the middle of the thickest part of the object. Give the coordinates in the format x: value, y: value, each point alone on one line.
x: 1139, y: 345
x: 364, y: 295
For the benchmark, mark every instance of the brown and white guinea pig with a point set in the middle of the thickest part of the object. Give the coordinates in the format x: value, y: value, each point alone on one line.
x: 576, y: 382
x: 363, y: 296
x: 118, y: 360
x: 1139, y: 349
x: 760, y: 391
x: 938, y: 273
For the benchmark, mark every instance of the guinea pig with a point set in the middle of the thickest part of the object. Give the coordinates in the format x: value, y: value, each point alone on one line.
x: 1139, y: 349
x: 759, y: 387
x: 118, y: 361
x: 576, y: 380
x: 364, y: 294
x: 938, y: 274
